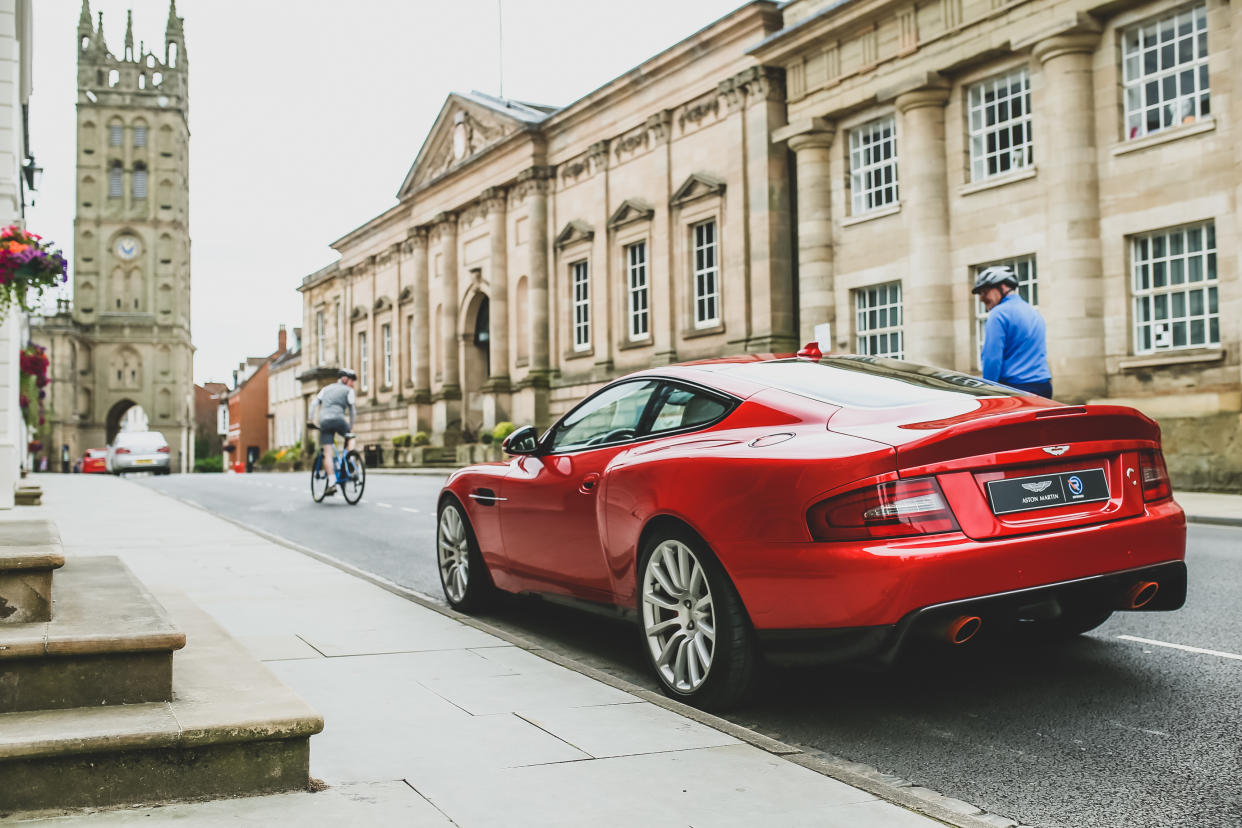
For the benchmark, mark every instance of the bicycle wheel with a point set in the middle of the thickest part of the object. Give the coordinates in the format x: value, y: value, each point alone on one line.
x: 319, y: 479
x: 355, y: 477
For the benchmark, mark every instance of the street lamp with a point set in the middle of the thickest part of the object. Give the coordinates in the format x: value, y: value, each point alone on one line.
x: 33, y: 173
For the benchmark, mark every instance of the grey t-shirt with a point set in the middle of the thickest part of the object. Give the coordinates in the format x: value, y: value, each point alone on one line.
x: 337, y: 401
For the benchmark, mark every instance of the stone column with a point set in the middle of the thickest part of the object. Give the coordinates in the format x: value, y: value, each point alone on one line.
x: 540, y: 358
x: 928, y: 285
x: 421, y: 330
x: 446, y: 414
x: 1071, y: 267
x: 811, y: 141
x: 494, y: 199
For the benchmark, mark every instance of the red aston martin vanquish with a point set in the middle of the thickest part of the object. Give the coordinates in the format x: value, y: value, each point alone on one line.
x: 810, y: 507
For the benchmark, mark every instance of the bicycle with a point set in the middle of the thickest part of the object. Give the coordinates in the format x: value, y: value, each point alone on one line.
x: 350, y: 472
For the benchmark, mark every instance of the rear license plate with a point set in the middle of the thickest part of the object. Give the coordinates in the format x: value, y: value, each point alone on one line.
x: 146, y: 461
x: 1044, y: 491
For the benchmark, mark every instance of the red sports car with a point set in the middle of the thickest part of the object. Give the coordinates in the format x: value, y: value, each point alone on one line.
x: 95, y: 461
x: 809, y: 507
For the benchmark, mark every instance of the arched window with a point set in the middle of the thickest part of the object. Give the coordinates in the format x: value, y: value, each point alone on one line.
x: 140, y: 180
x: 172, y: 55
x: 115, y: 132
x: 114, y: 77
x: 115, y: 187
x: 140, y: 134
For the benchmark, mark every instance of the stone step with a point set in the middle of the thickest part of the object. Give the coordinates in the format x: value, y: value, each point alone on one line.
x: 30, y: 552
x: 108, y: 642
x: 28, y: 494
x: 232, y: 729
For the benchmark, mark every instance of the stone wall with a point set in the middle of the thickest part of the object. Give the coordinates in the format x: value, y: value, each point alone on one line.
x: 1204, y: 454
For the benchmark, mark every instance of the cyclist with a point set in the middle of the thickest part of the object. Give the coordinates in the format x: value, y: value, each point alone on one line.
x: 1014, y: 349
x: 339, y: 413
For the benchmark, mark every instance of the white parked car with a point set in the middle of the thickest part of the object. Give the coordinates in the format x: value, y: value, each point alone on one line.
x: 139, y: 451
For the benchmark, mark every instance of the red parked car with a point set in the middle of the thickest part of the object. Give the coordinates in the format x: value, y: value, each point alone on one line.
x: 821, y: 508
x: 95, y: 461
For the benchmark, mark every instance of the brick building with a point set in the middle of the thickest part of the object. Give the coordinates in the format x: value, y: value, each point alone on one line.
x: 245, y: 422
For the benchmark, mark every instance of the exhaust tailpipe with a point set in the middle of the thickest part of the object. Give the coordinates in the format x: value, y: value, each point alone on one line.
x: 1141, y: 594
x: 962, y: 629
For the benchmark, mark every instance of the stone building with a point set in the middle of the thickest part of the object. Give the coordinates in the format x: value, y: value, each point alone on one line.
x: 535, y: 252
x: 286, y: 407
x: 824, y: 166
x: 125, y: 340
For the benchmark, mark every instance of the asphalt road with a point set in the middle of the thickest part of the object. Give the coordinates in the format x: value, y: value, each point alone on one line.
x: 1106, y: 731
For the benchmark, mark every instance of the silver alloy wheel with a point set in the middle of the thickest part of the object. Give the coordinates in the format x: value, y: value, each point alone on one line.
x: 454, y: 554
x: 679, y: 620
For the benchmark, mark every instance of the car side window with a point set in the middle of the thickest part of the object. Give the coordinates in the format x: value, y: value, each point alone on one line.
x: 611, y: 416
x: 685, y: 408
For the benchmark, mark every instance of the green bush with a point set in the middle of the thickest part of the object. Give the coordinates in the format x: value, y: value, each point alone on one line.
x: 421, y: 438
x: 209, y: 464
x: 503, y: 430
x: 268, y: 459
x: 402, y: 440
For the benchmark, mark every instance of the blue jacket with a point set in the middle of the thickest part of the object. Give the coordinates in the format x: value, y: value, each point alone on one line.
x: 1015, y: 351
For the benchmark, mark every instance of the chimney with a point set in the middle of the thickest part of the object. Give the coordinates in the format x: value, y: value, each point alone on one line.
x: 281, y: 340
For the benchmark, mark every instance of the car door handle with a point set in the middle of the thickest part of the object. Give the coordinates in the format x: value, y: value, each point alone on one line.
x: 589, y: 483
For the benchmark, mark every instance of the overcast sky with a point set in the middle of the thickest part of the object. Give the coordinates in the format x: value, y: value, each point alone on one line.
x: 305, y: 117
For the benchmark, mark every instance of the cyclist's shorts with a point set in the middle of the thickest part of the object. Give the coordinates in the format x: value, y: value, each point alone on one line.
x: 328, y: 428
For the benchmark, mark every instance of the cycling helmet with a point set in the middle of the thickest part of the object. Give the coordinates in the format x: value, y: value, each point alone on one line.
x: 995, y: 277
x: 345, y: 373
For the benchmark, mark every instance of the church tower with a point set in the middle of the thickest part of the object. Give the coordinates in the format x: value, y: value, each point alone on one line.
x: 126, y: 339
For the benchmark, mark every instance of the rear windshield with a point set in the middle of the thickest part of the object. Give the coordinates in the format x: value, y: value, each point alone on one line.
x: 141, y: 440
x: 866, y: 382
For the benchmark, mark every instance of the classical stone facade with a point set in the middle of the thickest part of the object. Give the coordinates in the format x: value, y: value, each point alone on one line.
x: 825, y: 167
x: 1090, y: 144
x: 125, y: 340
x: 536, y: 252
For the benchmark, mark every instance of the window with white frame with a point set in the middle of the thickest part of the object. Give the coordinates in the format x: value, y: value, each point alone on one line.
x: 1023, y: 268
x: 320, y: 329
x: 386, y: 331
x: 1175, y: 302
x: 580, y: 285
x: 638, y: 294
x: 1165, y: 71
x: 706, y: 274
x: 873, y: 165
x: 1000, y: 124
x: 362, y: 361
x: 878, y: 321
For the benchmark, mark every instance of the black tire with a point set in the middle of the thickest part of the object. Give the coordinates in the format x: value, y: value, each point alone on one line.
x: 467, y: 588
x: 319, y: 479
x: 733, y: 664
x: 355, y: 478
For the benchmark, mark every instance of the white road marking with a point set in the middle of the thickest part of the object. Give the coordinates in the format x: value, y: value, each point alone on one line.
x: 408, y: 509
x: 384, y: 505
x: 1188, y: 649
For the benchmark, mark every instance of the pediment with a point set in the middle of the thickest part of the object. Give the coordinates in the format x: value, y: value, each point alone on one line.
x: 631, y: 210
x: 359, y: 312
x: 406, y: 295
x: 698, y: 185
x: 574, y: 232
x: 463, y: 130
x: 383, y: 303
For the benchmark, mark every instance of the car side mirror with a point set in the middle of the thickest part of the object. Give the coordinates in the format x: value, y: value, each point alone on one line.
x: 523, y: 441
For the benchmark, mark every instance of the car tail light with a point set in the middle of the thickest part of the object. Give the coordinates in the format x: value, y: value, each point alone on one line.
x: 162, y: 449
x: 1156, y: 485
x: 122, y: 451
x: 888, y: 510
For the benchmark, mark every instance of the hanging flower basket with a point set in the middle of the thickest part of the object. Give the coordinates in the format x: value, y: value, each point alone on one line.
x: 28, y: 266
x: 32, y: 383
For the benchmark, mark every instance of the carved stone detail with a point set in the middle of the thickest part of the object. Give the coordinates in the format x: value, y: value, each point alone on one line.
x: 700, y: 109
x: 466, y: 136
x: 416, y: 239
x: 530, y: 180
x: 631, y: 143
x: 761, y: 83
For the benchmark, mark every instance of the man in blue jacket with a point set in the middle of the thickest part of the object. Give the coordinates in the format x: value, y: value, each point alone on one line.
x: 1015, y: 352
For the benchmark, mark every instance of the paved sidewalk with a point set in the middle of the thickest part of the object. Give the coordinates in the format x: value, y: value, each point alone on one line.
x: 1210, y: 507
x: 430, y: 720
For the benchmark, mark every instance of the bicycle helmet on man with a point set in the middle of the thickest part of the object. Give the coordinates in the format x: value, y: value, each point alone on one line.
x: 994, y: 276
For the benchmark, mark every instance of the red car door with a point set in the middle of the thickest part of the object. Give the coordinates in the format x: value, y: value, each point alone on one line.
x: 549, y: 517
